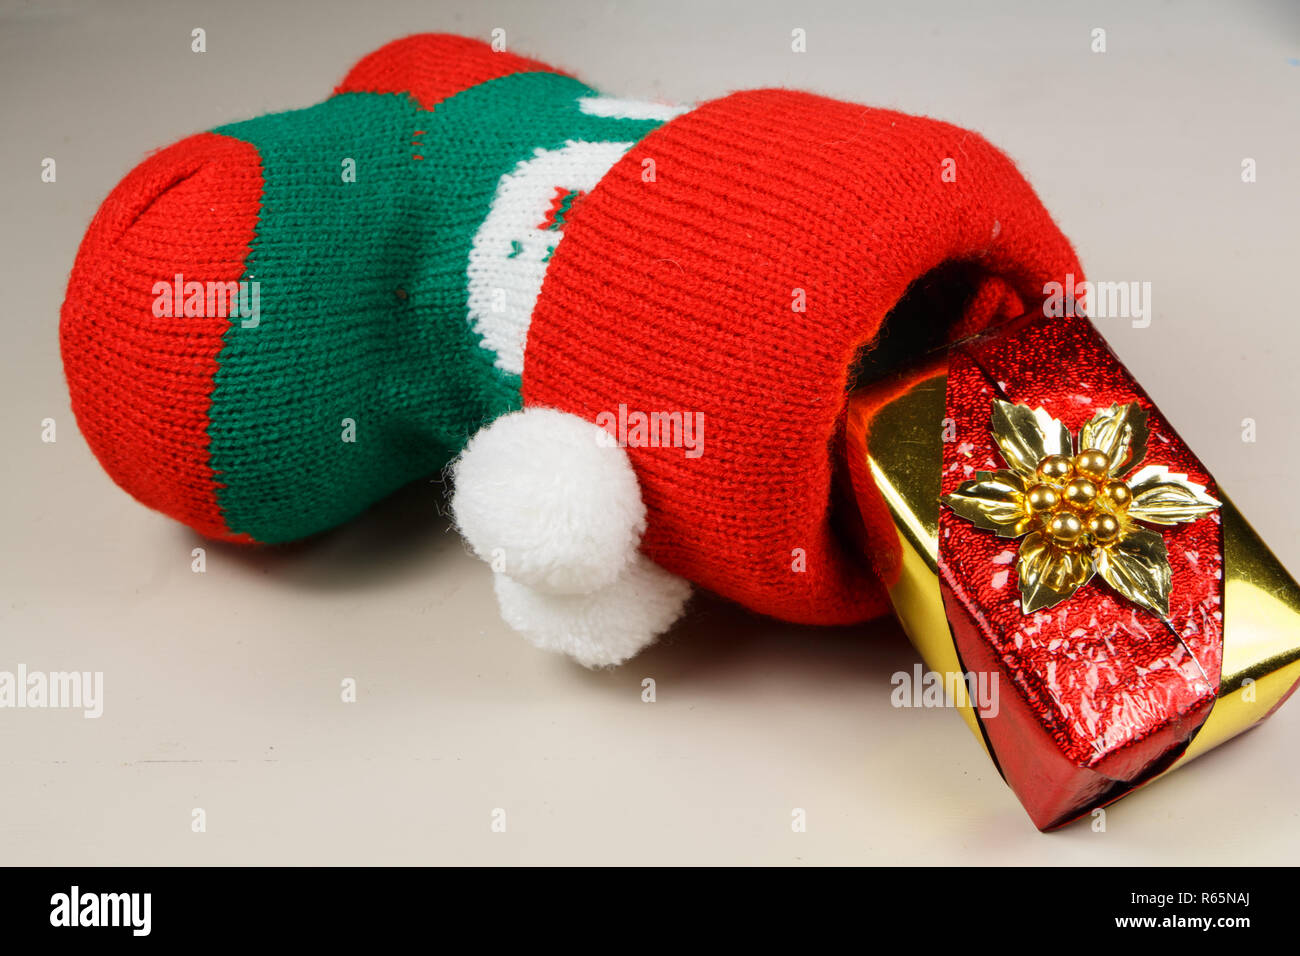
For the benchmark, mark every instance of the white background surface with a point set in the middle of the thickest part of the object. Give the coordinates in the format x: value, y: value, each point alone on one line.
x: 222, y: 689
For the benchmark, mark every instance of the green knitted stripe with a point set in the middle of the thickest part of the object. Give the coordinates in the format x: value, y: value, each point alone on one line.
x: 363, y: 296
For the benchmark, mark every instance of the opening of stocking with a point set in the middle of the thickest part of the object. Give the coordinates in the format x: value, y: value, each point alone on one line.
x: 950, y: 302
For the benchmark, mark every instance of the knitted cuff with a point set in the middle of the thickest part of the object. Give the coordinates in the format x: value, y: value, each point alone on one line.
x: 741, y: 284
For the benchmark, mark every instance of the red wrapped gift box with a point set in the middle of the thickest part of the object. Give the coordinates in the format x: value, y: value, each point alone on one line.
x: 1126, y: 615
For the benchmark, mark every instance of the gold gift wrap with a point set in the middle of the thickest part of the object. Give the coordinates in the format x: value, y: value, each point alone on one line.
x: 896, y: 431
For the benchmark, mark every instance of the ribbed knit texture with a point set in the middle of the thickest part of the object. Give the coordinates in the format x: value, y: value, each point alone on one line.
x: 678, y: 294
x: 141, y: 385
x: 364, y: 296
x: 363, y: 286
x: 404, y: 301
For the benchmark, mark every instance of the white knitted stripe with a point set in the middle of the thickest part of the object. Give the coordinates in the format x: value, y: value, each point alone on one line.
x: 615, y: 108
x: 510, y: 251
x: 508, y: 258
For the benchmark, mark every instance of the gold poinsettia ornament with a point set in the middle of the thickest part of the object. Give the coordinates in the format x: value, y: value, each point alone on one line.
x: 1079, y: 516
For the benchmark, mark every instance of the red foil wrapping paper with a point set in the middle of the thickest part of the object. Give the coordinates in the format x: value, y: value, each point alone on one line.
x: 1096, y: 694
x: 1105, y: 692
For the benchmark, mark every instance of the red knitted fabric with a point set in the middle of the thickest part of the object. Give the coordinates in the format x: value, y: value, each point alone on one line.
x: 677, y: 294
x: 433, y: 67
x: 141, y: 385
x: 671, y: 291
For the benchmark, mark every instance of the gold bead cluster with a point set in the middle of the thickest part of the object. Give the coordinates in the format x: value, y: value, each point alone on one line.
x: 1077, y: 501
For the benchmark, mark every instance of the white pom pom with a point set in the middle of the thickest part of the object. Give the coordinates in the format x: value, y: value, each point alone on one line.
x: 549, y: 499
x: 602, y: 628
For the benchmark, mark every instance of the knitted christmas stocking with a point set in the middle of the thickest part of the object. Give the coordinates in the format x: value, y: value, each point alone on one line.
x: 630, y: 326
